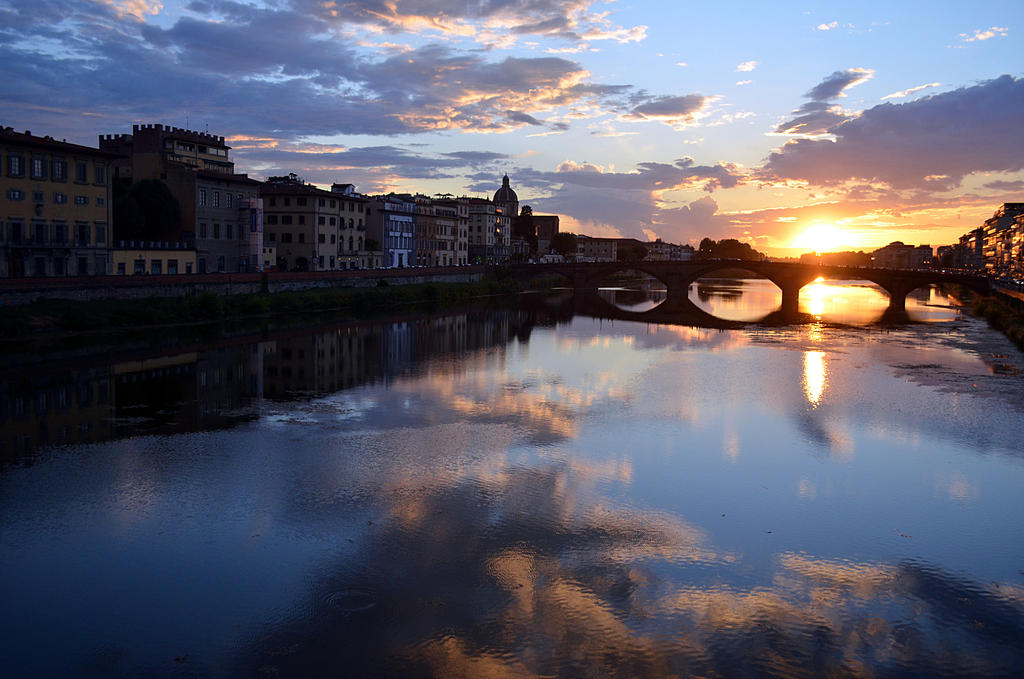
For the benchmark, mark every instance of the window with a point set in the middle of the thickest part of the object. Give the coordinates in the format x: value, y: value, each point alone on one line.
x: 202, y: 196
x: 83, y: 266
x: 59, y: 266
x: 227, y: 200
x: 302, y: 238
x: 216, y: 198
x: 100, y: 265
x: 81, y: 200
x: 82, y: 235
x: 286, y: 238
x: 156, y: 266
x: 334, y: 221
x: 271, y: 219
x: 220, y: 264
x: 172, y: 266
x: 320, y: 261
x: 38, y: 168
x: 15, y: 194
x: 216, y: 230
x: 60, y: 234
x: 120, y: 269
x: 60, y: 198
x: 321, y: 220
x: 81, y: 172
x: 202, y: 230
x: 322, y: 238
x: 100, y: 173
x: 140, y: 266
x: 286, y: 219
x: 229, y: 231
x: 15, y: 166
x: 287, y: 202
x: 101, y: 235
x: 273, y: 202
x: 272, y: 236
x: 100, y: 202
x: 37, y: 197
x: 334, y: 239
x: 17, y: 232
x: 59, y: 171
x: 302, y: 219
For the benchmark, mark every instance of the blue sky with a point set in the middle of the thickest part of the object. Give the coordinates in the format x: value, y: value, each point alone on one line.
x: 793, y: 126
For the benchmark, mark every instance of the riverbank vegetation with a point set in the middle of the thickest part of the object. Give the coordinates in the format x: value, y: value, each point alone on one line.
x: 56, y: 316
x: 1003, y: 314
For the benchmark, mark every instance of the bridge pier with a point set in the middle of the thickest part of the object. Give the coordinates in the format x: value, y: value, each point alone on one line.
x: 898, y: 289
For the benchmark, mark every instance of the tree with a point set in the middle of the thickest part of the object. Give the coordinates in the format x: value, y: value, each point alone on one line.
x: 631, y: 252
x: 147, y: 210
x: 564, y: 243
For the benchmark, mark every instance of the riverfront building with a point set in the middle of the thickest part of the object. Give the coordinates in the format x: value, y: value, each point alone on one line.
x: 489, y: 232
x: 221, y: 213
x: 55, y: 218
x: 391, y: 222
x: 897, y: 255
x: 303, y: 223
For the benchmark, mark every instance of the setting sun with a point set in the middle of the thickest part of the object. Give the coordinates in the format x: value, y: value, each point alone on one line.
x: 820, y: 238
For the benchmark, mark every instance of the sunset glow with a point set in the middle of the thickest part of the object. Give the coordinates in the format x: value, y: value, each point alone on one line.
x: 821, y: 238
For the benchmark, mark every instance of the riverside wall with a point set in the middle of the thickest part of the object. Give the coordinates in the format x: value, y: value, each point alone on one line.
x: 20, y: 291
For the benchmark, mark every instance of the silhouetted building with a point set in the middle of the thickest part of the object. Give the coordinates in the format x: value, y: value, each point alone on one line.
x: 897, y: 255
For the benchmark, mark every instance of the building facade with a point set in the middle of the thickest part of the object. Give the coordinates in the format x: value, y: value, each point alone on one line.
x: 220, y: 210
x: 56, y: 214
x: 303, y: 223
x: 391, y: 222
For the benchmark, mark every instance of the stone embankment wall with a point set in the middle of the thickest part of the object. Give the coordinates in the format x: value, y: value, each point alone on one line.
x: 26, y: 290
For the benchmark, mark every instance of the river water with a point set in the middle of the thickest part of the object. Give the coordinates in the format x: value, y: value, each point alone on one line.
x: 524, y: 492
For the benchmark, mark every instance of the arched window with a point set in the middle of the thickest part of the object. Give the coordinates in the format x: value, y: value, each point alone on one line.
x: 350, y: 223
x: 350, y: 243
x: 360, y: 242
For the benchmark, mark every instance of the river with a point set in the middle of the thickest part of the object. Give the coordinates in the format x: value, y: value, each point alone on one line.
x: 524, y: 491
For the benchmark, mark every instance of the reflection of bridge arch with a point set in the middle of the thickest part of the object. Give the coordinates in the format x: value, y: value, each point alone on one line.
x: 789, y: 277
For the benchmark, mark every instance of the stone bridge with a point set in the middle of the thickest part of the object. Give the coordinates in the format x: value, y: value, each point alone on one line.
x: 789, y: 277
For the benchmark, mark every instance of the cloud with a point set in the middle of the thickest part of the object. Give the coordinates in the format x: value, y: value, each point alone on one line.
x: 835, y: 85
x: 929, y: 144
x: 906, y: 93
x: 1006, y: 186
x: 743, y: 82
x: 746, y: 66
x: 826, y: 27
x: 142, y: 72
x: 493, y: 23
x: 984, y: 34
x: 817, y: 116
x: 674, y: 110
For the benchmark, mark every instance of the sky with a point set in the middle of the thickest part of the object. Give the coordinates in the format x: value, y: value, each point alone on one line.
x: 791, y: 126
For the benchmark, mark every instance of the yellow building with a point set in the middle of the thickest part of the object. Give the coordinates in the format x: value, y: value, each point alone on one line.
x: 55, y: 213
x: 143, y: 257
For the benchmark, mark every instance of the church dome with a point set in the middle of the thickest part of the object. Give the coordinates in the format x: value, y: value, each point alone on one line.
x: 505, y: 194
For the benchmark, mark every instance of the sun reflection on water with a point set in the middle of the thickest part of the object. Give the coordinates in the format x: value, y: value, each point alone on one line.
x: 815, y: 376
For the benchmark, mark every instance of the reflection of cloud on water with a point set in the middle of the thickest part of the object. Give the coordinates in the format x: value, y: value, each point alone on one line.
x: 513, y: 576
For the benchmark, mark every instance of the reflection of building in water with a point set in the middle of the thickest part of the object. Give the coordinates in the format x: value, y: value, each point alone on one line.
x: 323, y: 362
x: 348, y: 356
x: 53, y: 403
x: 37, y: 408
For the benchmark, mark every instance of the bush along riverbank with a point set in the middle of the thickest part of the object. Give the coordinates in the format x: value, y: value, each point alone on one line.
x: 1005, y: 315
x: 49, y: 317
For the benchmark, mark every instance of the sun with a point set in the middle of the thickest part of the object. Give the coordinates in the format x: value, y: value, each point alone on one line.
x: 820, y: 238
